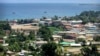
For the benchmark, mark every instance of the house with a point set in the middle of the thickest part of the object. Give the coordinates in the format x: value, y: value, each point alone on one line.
x: 82, y: 33
x: 96, y: 43
x: 75, y: 44
x: 39, y: 43
x: 74, y: 50
x: 14, y: 22
x: 34, y: 24
x: 66, y: 25
x: 42, y: 23
x: 73, y: 22
x: 72, y: 34
x: 56, y: 37
x: 67, y: 34
x: 36, y: 21
x: 82, y: 36
x: 48, y: 22
x: 90, y: 26
x: 10, y: 53
x: 1, y: 40
x: 78, y: 26
x: 56, y: 22
x: 25, y: 28
x: 22, y: 53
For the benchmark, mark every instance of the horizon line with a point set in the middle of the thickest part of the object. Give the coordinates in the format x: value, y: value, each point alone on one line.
x: 49, y: 2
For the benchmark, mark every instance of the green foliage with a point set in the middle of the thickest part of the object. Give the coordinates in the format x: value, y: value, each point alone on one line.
x: 43, y: 18
x: 90, y: 51
x: 4, y: 26
x: 1, y: 48
x: 12, y: 40
x: 55, y: 18
x: 18, y: 38
x: 24, y: 21
x: 88, y: 16
x: 2, y: 32
x: 80, y: 40
x: 25, y: 46
x: 65, y: 18
x: 20, y: 41
x: 31, y: 48
x: 96, y: 38
x: 49, y: 49
x: 59, y: 51
x: 53, y: 29
x: 21, y: 37
x: 45, y: 33
x: 15, y: 47
x: 31, y: 36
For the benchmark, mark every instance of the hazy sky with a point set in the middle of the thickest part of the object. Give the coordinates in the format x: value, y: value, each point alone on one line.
x: 49, y: 1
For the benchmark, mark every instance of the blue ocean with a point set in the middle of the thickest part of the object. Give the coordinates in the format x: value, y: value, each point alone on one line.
x: 38, y: 10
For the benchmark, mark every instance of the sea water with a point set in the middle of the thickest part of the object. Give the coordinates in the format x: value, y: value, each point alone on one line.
x: 38, y: 10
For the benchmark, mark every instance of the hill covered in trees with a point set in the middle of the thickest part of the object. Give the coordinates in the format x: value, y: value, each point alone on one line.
x: 88, y: 16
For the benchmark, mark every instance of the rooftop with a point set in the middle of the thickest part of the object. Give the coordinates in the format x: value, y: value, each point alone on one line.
x: 24, y: 27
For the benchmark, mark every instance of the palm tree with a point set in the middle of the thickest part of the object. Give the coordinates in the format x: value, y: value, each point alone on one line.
x: 59, y: 51
x: 90, y: 51
x: 86, y: 51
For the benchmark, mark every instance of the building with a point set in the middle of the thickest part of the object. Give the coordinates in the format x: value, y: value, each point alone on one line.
x: 73, y: 22
x: 90, y: 26
x: 66, y: 25
x: 57, y: 37
x: 56, y: 22
x: 25, y: 28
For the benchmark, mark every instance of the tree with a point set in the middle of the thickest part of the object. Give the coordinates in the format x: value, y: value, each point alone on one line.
x: 31, y: 36
x: 21, y: 37
x: 4, y: 26
x: 59, y: 50
x: 65, y: 18
x: 1, y: 48
x: 45, y: 33
x: 85, y: 51
x: 90, y: 51
x: 55, y: 18
x: 15, y: 47
x: 2, y: 32
x: 31, y: 48
x: 43, y: 18
x: 7, y: 26
x: 26, y: 45
x: 96, y: 38
x: 12, y: 40
x: 80, y: 40
x: 49, y: 49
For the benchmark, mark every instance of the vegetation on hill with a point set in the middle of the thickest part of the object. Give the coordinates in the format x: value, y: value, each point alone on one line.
x: 86, y: 16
